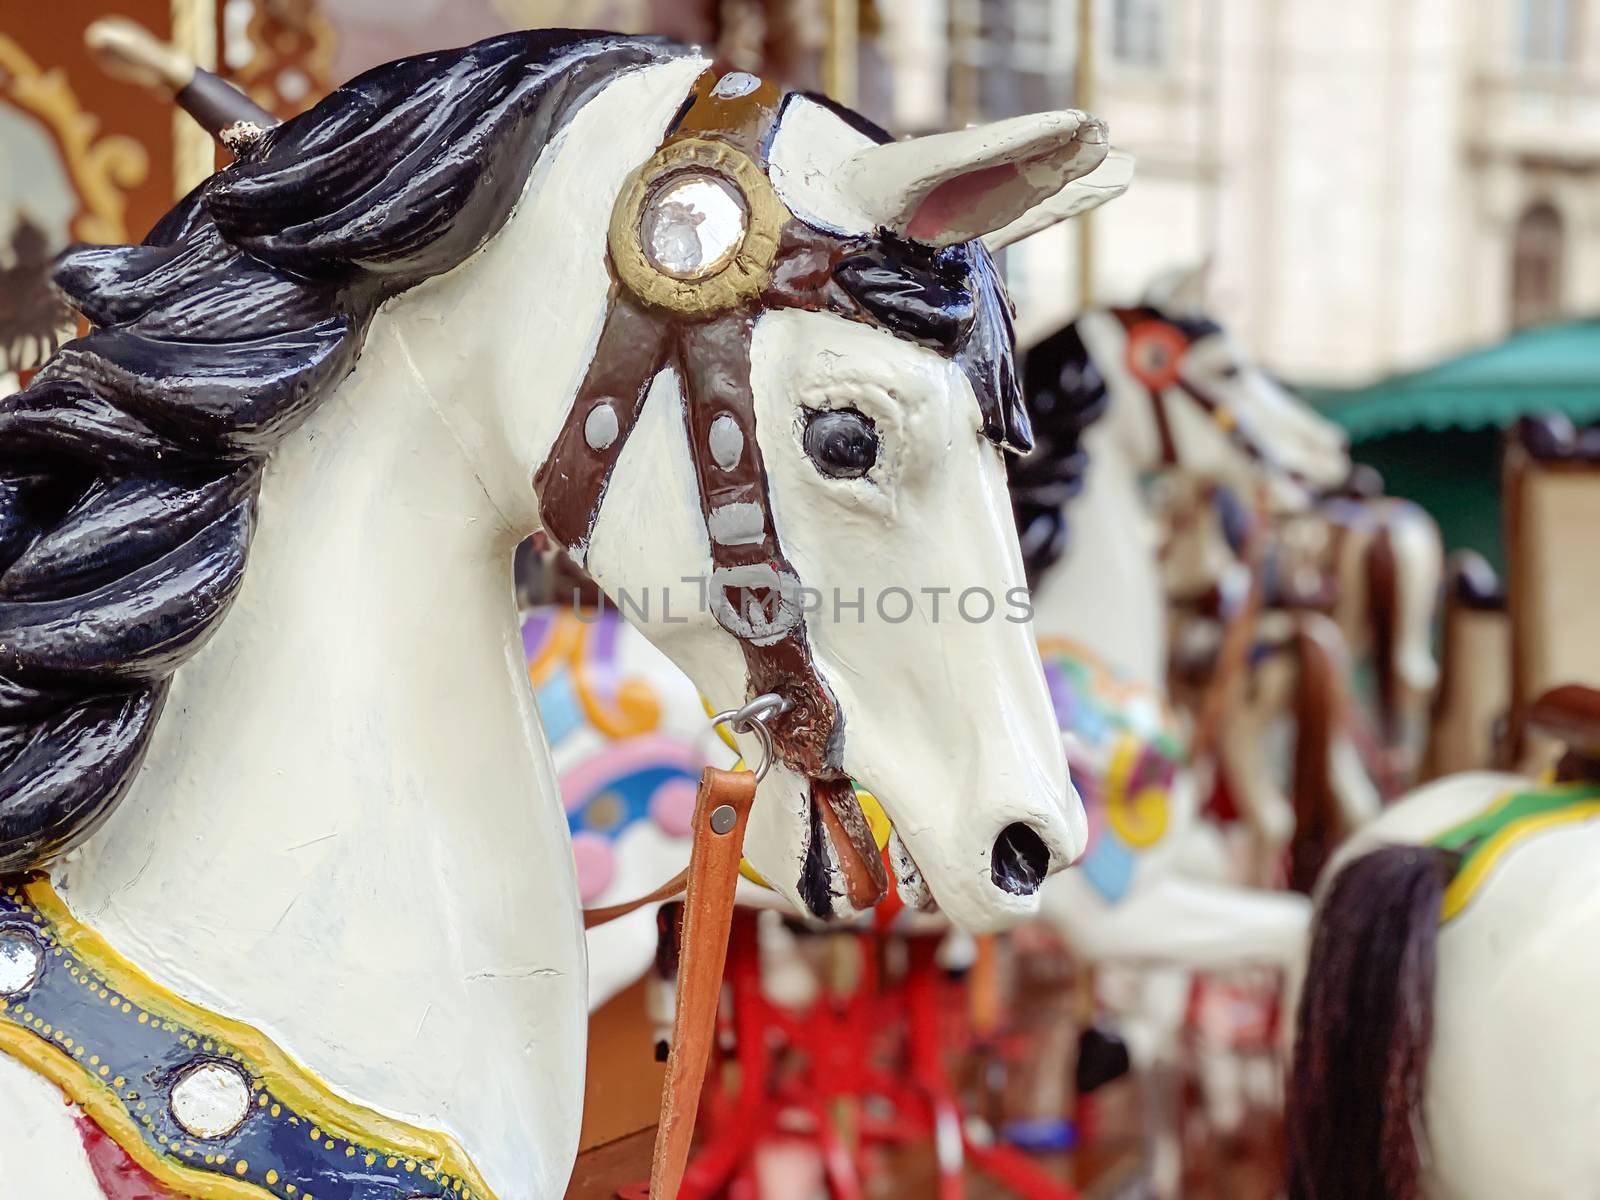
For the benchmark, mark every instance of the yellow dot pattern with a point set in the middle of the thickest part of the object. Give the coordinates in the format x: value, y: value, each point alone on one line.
x: 138, y: 1039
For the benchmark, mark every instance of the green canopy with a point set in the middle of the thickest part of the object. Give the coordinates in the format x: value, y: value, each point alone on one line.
x: 1550, y: 368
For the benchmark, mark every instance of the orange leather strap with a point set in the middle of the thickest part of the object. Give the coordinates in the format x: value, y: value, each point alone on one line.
x: 721, y: 813
x: 707, y: 916
x: 669, y: 890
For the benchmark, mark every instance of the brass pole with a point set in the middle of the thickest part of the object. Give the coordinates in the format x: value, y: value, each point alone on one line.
x: 842, y: 65
x: 965, y: 29
x: 1085, y: 101
x: 194, y: 34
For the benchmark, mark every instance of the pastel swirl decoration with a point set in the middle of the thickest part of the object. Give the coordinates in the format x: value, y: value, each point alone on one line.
x: 130, y: 468
x: 1125, y: 752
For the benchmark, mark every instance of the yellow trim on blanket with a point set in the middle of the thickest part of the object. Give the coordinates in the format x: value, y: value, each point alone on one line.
x: 1483, y: 862
x: 431, y: 1154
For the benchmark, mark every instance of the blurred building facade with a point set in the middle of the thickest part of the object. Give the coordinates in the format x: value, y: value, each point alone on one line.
x: 1376, y: 183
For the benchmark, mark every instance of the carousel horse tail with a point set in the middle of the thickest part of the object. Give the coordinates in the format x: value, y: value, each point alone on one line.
x: 1364, y: 1028
x: 1319, y: 706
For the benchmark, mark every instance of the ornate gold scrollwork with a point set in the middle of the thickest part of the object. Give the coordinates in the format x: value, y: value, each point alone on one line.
x: 102, y: 169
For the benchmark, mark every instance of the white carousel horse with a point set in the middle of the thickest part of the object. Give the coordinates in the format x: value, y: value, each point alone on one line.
x: 1446, y: 1037
x: 1379, y: 559
x: 1286, y: 739
x: 334, y: 881
x: 1099, y: 600
x: 1115, y: 396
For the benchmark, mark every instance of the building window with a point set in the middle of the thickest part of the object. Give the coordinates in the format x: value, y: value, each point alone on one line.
x: 1009, y: 57
x: 1139, y: 32
x: 1536, y: 266
x: 1544, y: 32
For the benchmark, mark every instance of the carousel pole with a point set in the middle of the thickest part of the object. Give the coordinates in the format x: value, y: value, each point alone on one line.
x: 841, y: 81
x: 194, y: 35
x: 843, y: 63
x: 1085, y: 102
x: 964, y: 28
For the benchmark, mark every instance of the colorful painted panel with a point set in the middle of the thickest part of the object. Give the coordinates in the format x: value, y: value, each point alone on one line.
x: 619, y: 760
x: 1124, y: 750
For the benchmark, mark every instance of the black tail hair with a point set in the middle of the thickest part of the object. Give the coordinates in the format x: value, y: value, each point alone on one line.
x: 1365, y: 1023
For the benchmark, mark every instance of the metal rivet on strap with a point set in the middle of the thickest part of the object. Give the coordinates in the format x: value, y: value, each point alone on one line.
x: 726, y: 442
x: 600, y: 426
x: 723, y: 819
x: 736, y: 84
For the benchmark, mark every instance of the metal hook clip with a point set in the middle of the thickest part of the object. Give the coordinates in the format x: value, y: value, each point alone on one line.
x: 753, y: 718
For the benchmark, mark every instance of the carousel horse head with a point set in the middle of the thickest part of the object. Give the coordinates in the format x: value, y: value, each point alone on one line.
x: 745, y: 358
x: 1186, y: 397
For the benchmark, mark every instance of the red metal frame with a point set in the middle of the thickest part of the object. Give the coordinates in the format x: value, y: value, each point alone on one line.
x: 850, y: 1075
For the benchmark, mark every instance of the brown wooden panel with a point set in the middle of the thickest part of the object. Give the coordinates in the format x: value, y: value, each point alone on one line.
x: 623, y: 1093
x: 1552, y: 509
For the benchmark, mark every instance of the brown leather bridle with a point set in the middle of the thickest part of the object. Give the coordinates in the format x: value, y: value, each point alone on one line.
x: 1154, y: 358
x: 701, y: 329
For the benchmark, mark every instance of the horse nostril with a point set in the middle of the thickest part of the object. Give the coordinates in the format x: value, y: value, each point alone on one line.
x: 1020, y: 860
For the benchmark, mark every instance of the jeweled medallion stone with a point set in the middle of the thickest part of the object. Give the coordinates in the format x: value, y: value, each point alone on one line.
x: 20, y: 959
x: 210, y: 1100
x: 693, y: 226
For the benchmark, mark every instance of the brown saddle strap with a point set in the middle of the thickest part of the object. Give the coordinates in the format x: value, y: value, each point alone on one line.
x: 721, y: 813
x: 593, y: 918
x: 1233, y: 656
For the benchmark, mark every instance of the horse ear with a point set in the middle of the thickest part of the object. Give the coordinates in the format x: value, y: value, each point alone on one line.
x: 1106, y: 182
x: 1180, y: 292
x: 953, y: 187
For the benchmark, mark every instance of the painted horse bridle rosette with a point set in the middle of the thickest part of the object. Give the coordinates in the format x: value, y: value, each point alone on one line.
x: 697, y: 228
x: 1154, y: 353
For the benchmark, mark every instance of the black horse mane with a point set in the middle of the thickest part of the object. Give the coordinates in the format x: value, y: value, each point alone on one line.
x: 130, y: 467
x: 1065, y: 394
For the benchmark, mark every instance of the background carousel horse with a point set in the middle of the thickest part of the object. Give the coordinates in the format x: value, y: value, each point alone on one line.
x: 1384, y: 559
x: 1286, y: 739
x: 342, y: 359
x: 1303, y: 758
x: 1373, y: 563
x: 1113, y: 399
x: 1446, y: 1043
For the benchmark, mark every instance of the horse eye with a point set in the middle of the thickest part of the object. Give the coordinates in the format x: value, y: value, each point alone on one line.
x: 841, y: 442
x: 1231, y: 371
